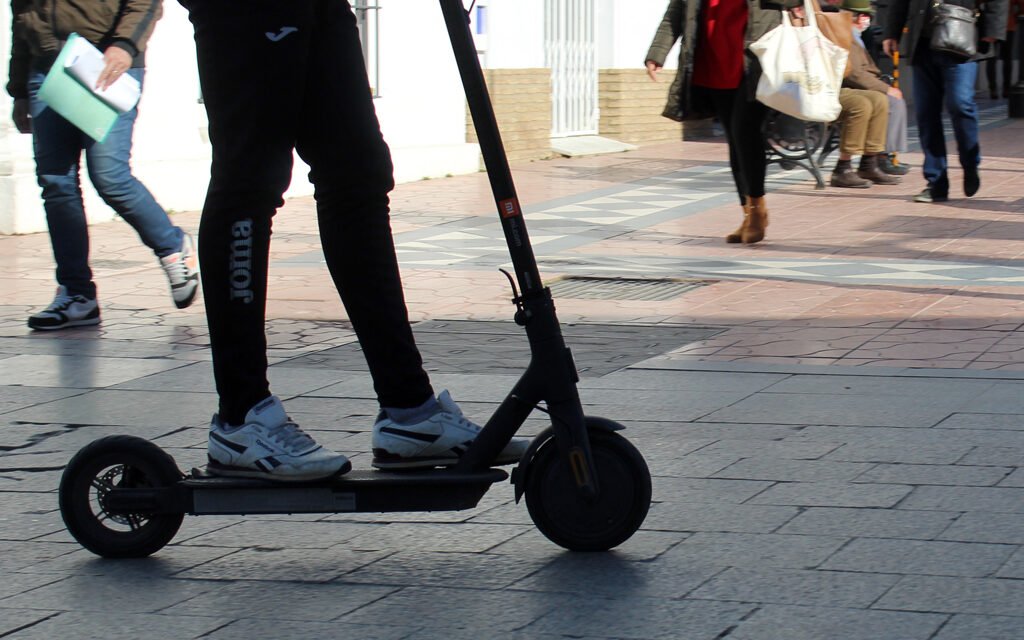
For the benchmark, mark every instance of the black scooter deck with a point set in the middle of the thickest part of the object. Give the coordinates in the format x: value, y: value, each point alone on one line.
x: 355, y: 492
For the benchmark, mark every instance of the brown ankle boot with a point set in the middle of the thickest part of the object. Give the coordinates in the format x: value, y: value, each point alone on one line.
x: 737, y: 235
x: 844, y: 176
x: 757, y: 222
x: 869, y: 170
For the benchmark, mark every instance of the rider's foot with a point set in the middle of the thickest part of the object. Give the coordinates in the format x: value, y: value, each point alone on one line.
x: 269, y: 445
x: 66, y: 311
x: 436, y: 441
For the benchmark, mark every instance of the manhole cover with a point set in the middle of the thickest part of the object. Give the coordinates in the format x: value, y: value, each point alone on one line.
x: 622, y: 288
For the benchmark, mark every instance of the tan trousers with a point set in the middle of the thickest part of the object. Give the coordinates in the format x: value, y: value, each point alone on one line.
x: 865, y: 117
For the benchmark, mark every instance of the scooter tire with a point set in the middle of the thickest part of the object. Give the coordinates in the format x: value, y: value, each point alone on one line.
x: 579, y: 524
x: 117, y: 461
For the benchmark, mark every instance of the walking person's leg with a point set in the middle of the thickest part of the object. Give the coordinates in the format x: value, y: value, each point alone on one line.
x: 110, y: 172
x: 57, y: 146
x: 929, y: 94
x: 963, y: 112
x: 747, y: 119
x: 724, y: 101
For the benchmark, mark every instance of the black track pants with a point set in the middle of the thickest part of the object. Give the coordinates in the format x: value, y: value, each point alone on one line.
x: 276, y: 76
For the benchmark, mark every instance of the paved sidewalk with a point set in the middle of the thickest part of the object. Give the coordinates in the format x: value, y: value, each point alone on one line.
x: 834, y: 417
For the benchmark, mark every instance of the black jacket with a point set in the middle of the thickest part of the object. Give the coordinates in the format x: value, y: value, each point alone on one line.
x: 913, y: 13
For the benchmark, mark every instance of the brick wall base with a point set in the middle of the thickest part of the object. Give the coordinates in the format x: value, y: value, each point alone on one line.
x: 522, y: 107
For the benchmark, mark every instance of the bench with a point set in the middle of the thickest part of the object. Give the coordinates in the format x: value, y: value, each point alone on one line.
x: 790, y: 143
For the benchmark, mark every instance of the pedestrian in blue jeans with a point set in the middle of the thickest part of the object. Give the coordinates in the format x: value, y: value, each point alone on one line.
x: 39, y: 31
x: 941, y: 79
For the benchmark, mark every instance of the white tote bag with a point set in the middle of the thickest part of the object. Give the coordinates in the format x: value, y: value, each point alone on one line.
x: 801, y: 70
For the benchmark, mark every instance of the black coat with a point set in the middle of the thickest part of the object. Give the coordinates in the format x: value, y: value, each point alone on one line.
x: 913, y: 13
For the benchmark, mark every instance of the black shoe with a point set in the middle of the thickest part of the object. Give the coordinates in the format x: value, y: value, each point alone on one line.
x: 972, y: 182
x: 928, y: 197
x: 844, y: 176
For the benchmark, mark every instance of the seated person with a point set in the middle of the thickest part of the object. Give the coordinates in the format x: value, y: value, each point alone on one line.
x: 865, y: 115
x: 866, y: 74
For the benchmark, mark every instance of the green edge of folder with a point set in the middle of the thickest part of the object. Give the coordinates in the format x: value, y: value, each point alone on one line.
x: 74, y: 101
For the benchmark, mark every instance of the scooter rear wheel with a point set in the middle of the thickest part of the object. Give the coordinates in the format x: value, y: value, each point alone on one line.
x: 109, y: 463
x: 578, y: 524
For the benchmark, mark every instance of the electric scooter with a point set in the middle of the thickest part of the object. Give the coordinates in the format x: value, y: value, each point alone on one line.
x: 587, y: 488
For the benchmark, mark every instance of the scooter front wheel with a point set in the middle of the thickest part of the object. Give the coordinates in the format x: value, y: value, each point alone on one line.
x: 579, y: 524
x: 110, y: 463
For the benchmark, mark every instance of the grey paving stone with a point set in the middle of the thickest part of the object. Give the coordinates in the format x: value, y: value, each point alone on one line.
x: 995, y: 499
x: 442, y: 609
x: 870, y: 523
x: 711, y: 516
x: 995, y: 456
x: 1015, y: 479
x: 1001, y: 421
x: 926, y: 557
x: 106, y: 407
x: 1014, y: 567
x: 968, y: 627
x: 613, y: 575
x: 17, y: 556
x: 1002, y: 397
x: 821, y: 494
x: 104, y: 595
x: 474, y: 634
x: 676, y: 490
x: 642, y: 546
x: 954, y: 475
x: 169, y: 561
x: 976, y: 526
x: 786, y: 586
x: 279, y: 564
x: 818, y: 623
x: 838, y: 409
x: 250, y: 629
x: 764, y: 468
x: 28, y: 526
x: 900, y: 453
x: 434, y: 537
x: 911, y: 436
x: 694, y: 465
x: 79, y: 372
x: 12, y: 619
x: 757, y: 551
x: 692, y: 380
x: 16, y: 583
x: 288, y: 533
x: 988, y: 596
x: 278, y: 600
x: 618, y: 618
x: 75, y: 625
x: 787, y: 449
x: 13, y: 398
x: 882, y: 385
x: 449, y: 570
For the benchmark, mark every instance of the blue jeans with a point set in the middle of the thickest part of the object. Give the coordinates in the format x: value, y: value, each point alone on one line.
x: 940, y: 80
x: 58, y: 147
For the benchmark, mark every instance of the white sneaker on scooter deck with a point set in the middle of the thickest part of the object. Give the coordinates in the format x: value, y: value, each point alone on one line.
x: 270, y: 446
x: 438, y: 441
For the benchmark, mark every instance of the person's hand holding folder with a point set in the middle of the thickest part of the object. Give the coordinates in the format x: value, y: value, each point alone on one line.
x: 116, y: 62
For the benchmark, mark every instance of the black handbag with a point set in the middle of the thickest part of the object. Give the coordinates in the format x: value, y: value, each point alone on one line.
x: 953, y: 30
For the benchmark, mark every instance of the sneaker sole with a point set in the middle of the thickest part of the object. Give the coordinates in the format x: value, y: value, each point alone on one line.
x: 222, y: 471
x: 406, y: 464
x: 88, y: 322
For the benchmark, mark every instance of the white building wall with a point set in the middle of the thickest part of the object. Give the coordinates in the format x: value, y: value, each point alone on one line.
x: 625, y: 30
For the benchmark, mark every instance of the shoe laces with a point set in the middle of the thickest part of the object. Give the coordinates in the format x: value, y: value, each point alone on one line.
x: 461, y: 420
x: 175, y: 269
x: 291, y: 436
x: 63, y: 301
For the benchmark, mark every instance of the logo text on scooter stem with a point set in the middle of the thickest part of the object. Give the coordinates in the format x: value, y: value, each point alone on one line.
x: 509, y: 208
x: 240, y: 261
x: 277, y: 37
